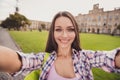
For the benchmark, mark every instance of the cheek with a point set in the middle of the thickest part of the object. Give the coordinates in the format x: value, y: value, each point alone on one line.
x: 55, y: 36
x: 73, y: 36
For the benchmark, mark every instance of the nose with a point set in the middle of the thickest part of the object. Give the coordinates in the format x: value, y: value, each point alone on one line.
x: 64, y: 34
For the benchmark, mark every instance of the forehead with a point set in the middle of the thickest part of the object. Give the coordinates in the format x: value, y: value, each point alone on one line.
x: 63, y: 21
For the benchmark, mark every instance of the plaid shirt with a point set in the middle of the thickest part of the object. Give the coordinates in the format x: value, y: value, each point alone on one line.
x: 83, y: 61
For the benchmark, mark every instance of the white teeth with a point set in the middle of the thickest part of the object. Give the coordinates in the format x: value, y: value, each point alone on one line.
x: 64, y: 41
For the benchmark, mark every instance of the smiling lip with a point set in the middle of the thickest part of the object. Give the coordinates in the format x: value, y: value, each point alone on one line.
x: 64, y: 41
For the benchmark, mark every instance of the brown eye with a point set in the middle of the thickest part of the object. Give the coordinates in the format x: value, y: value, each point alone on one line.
x: 58, y: 30
x: 71, y: 30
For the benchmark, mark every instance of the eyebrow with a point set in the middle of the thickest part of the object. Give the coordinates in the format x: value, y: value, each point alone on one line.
x: 67, y: 26
x: 70, y: 27
x: 58, y: 26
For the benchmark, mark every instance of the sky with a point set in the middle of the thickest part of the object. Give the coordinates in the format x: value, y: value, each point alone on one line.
x: 44, y: 10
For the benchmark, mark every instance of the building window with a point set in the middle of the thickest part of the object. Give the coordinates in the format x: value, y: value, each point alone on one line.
x: 99, y: 18
x: 116, y: 17
x: 110, y: 18
x: 115, y: 24
x: 109, y: 30
x: 99, y: 24
x: 104, y: 24
x: 105, y: 18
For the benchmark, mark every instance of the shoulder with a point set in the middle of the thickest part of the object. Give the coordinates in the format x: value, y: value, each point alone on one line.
x: 82, y: 52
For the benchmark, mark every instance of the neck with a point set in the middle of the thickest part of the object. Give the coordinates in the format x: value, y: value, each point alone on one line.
x: 64, y: 52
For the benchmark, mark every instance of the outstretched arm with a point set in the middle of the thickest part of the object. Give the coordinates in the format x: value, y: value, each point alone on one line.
x: 117, y: 60
x: 9, y: 60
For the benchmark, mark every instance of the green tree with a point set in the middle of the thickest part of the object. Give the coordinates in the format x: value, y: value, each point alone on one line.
x: 118, y: 27
x: 115, y: 30
x: 43, y: 26
x: 15, y: 21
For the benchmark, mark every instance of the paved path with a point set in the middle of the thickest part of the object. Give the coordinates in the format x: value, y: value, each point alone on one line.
x: 6, y: 40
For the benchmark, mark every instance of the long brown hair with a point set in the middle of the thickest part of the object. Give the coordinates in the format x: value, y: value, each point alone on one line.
x: 51, y: 43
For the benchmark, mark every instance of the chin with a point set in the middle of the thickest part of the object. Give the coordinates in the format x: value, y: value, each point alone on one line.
x: 64, y: 46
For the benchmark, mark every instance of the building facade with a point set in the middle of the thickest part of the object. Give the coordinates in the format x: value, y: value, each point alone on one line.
x: 99, y: 21
x: 37, y: 24
x: 96, y: 21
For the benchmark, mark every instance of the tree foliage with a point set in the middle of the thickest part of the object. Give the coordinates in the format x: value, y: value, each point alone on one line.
x: 43, y: 26
x: 15, y: 21
x: 118, y: 27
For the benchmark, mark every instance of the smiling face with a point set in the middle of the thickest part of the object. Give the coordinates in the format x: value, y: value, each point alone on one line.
x: 64, y: 32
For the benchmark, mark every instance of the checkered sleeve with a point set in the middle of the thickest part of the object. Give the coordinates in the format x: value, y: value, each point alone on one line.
x: 30, y: 62
x: 103, y: 59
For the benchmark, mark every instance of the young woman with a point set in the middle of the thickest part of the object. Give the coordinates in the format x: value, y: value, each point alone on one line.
x: 67, y: 60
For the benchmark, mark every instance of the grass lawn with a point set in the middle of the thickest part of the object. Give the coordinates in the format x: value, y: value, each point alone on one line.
x: 99, y: 42
x: 35, y: 41
x: 30, y: 41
